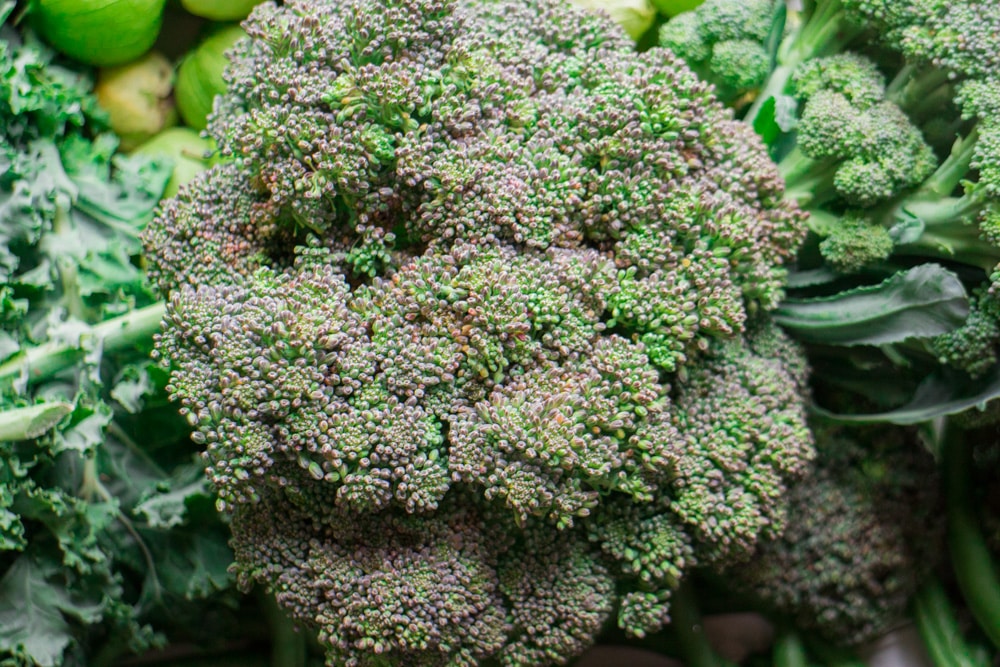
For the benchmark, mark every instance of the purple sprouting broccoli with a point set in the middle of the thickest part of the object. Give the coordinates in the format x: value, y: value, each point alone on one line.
x: 476, y: 302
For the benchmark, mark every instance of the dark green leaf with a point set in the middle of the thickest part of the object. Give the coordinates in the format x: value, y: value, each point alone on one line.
x: 946, y: 392
x: 765, y: 125
x: 922, y: 302
x: 33, y: 611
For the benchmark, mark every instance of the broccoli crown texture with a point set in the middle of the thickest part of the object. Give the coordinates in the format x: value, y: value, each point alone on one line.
x: 864, y: 529
x: 474, y: 284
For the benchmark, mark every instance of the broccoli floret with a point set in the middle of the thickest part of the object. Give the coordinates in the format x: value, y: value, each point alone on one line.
x: 973, y: 346
x: 475, y: 279
x: 863, y: 530
x: 452, y: 588
x: 852, y: 143
x: 392, y: 589
x: 692, y: 520
x: 854, y: 243
x: 723, y: 42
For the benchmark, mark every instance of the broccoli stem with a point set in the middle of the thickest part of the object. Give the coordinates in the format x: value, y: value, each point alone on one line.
x: 288, y: 644
x: 37, y: 364
x: 789, y: 651
x: 950, y: 231
x: 826, y: 30
x: 686, y: 623
x: 916, y: 89
x: 808, y: 182
x: 972, y: 562
x: 952, y: 171
x: 939, y: 629
x: 31, y: 421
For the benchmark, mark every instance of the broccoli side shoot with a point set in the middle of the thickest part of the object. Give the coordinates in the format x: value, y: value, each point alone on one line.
x: 724, y: 43
x: 882, y: 117
x: 864, y: 529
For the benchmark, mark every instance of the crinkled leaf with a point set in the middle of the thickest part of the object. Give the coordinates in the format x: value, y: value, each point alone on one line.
x: 85, y: 430
x: 925, y: 301
x: 74, y: 523
x: 31, y: 421
x: 167, y: 505
x: 194, y: 564
x: 34, y: 611
x: 133, y: 385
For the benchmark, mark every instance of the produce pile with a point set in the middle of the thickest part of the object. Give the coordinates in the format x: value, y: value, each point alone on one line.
x: 485, y: 332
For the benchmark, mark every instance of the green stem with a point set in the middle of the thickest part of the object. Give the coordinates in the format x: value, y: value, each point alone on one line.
x: 949, y: 231
x: 31, y: 421
x: 975, y: 571
x: 939, y: 629
x: 685, y: 619
x: 776, y: 84
x: 808, y: 182
x: 92, y: 488
x: 913, y: 87
x: 288, y: 643
x: 789, y: 651
x: 41, y: 363
x: 952, y: 171
x: 826, y: 30
x: 69, y: 278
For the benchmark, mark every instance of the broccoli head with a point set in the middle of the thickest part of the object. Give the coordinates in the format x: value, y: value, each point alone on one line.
x: 473, y: 282
x: 853, y: 145
x: 864, y: 529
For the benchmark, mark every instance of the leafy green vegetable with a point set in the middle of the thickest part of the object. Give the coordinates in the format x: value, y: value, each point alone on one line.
x: 106, y: 524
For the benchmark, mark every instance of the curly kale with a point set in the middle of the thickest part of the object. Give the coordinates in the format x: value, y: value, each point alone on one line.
x: 475, y: 284
x: 108, y: 541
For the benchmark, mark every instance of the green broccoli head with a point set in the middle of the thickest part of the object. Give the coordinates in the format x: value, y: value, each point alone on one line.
x: 955, y: 36
x: 471, y: 265
x: 724, y: 43
x: 863, y: 530
x: 852, y: 142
